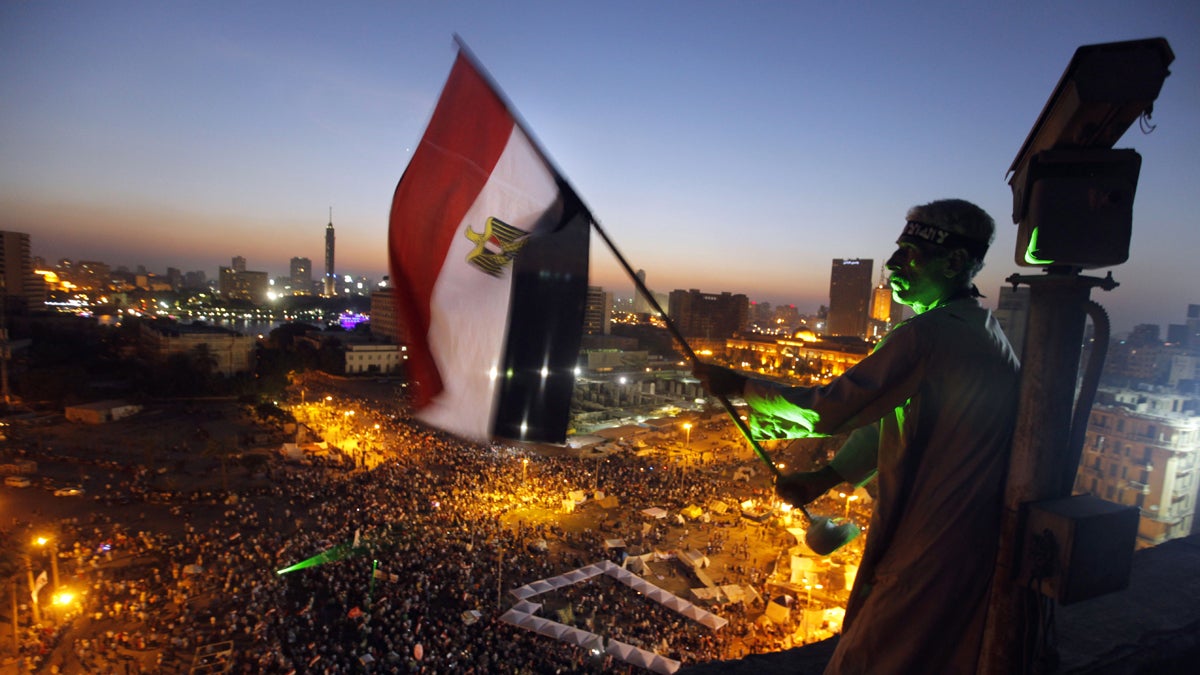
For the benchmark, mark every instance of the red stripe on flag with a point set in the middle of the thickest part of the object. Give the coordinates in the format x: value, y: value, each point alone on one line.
x: 467, y: 134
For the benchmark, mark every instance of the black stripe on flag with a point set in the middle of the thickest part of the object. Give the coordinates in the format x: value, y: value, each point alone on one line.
x: 545, y: 330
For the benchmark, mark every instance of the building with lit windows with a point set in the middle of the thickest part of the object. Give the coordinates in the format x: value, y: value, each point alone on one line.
x: 849, y: 297
x: 243, y: 285
x: 597, y: 312
x: 385, y: 324
x: 300, y: 276
x: 803, y: 359
x: 1141, y: 450
x: 383, y: 359
x: 715, y: 316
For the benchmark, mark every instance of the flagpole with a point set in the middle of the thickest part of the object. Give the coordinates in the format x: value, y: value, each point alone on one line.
x: 687, y: 349
x: 466, y: 52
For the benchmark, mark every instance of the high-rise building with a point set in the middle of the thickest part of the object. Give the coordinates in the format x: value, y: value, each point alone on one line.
x: 597, y: 312
x: 786, y: 317
x: 385, y: 324
x: 16, y: 271
x: 640, y: 304
x: 881, y: 302
x: 195, y: 279
x: 238, y: 264
x: 708, y: 315
x: 244, y: 285
x: 1193, y: 327
x: 1012, y: 312
x: 300, y: 276
x: 849, y: 297
x: 330, y: 279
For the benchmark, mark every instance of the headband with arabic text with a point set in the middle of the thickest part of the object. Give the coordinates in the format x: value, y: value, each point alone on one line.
x: 932, y: 234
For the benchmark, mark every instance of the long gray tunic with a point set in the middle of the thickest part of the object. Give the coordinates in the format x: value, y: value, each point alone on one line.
x: 934, y: 406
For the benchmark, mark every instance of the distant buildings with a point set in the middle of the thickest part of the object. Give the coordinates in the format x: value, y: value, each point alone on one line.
x: 18, y: 281
x: 1012, y: 312
x: 228, y: 352
x: 597, y: 312
x: 849, y: 297
x: 385, y: 324
x: 1143, y: 449
x: 300, y: 276
x: 712, y: 316
x: 374, y: 358
x: 240, y: 284
x: 809, y: 360
x: 885, y: 311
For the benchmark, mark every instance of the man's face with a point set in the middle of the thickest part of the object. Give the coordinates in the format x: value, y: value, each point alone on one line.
x: 920, y: 276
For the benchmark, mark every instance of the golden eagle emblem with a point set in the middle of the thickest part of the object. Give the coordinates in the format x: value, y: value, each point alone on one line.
x: 496, y: 246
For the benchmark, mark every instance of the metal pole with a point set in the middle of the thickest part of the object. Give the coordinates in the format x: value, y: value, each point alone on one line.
x: 687, y: 350
x: 54, y: 562
x: 16, y: 626
x: 37, y: 615
x: 1039, y: 461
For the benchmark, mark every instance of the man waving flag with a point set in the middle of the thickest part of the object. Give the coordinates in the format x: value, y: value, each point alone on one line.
x: 489, y: 257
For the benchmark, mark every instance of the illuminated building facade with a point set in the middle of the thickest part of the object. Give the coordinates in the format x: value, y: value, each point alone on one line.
x: 230, y: 351
x: 1141, y: 450
x: 849, y: 297
x: 374, y: 358
x: 807, y: 361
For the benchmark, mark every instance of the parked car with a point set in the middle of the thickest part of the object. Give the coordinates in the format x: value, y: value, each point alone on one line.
x: 17, y: 481
x: 68, y: 491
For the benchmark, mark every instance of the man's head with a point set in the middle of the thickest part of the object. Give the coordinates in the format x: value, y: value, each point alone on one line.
x: 939, y: 251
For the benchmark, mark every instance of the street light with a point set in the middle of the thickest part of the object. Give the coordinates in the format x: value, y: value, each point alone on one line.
x: 41, y: 542
x: 848, y: 498
x: 524, y: 466
x: 687, y: 428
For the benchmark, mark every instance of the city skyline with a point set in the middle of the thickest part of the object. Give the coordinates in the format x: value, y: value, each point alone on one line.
x: 723, y: 148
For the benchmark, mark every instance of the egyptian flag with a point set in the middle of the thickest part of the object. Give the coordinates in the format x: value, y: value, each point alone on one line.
x: 489, y: 259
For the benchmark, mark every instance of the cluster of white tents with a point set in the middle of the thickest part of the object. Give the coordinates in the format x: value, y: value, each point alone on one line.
x: 523, y: 615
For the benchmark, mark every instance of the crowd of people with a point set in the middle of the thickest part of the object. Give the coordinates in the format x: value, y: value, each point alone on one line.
x: 420, y: 551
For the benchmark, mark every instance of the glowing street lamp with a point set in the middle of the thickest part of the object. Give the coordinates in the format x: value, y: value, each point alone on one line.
x: 848, y: 498
x: 41, y: 542
x: 687, y: 428
x: 524, y: 467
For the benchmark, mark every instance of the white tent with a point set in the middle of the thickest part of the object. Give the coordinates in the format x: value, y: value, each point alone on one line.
x: 655, y: 512
x: 520, y: 615
x: 642, y: 658
x: 528, y: 607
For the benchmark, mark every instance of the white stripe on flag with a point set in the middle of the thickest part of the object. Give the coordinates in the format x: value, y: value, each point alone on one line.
x: 469, y: 311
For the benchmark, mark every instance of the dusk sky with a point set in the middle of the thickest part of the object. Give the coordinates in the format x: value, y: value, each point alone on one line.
x: 724, y: 146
